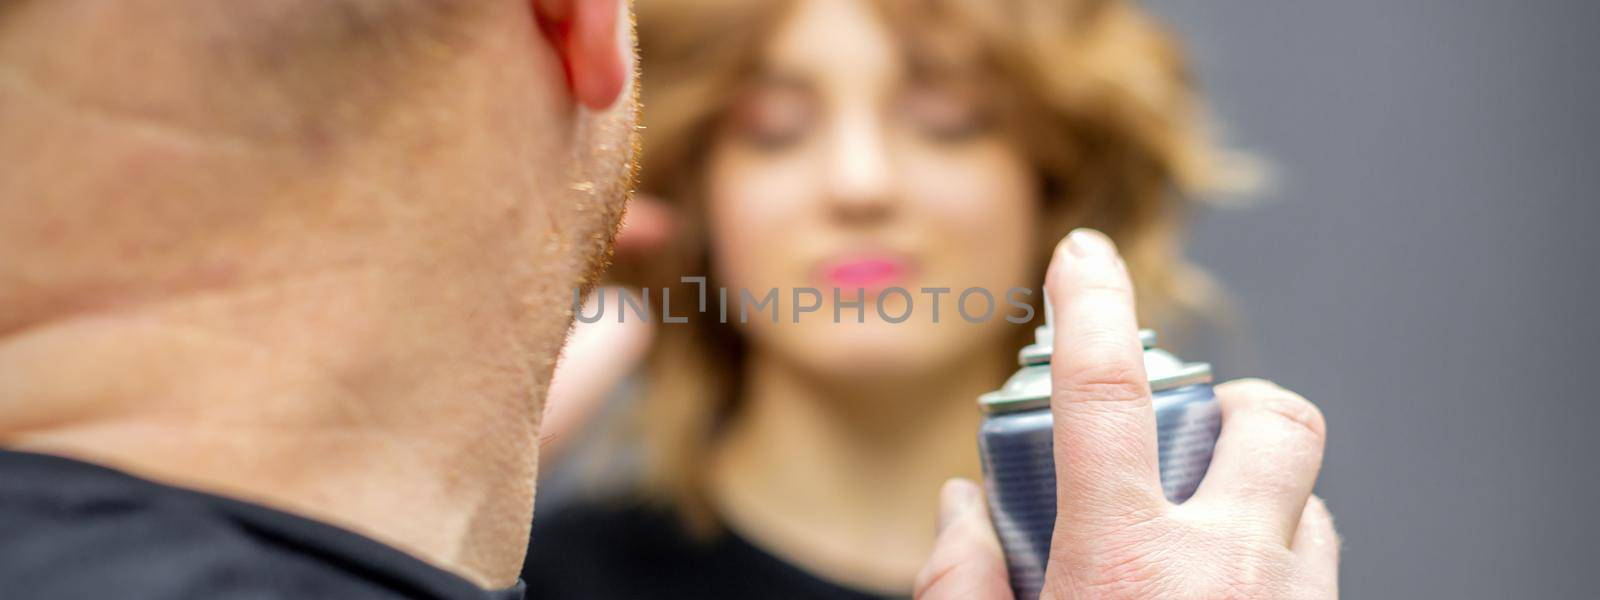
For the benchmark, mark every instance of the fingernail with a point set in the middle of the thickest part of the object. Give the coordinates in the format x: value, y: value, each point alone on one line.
x: 956, y: 498
x: 1086, y: 243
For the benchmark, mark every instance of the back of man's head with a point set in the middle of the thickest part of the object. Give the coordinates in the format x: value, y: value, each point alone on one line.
x: 158, y: 143
x: 260, y: 246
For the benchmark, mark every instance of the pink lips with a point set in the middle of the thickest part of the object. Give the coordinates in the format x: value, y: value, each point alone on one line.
x: 866, y: 272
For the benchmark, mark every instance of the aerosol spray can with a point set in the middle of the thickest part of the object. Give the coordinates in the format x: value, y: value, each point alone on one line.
x: 1019, y: 464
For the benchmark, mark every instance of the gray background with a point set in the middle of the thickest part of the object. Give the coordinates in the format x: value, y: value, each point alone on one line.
x: 1424, y: 269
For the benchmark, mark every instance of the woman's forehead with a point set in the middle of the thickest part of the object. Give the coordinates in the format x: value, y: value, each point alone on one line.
x: 853, y: 43
x: 822, y: 36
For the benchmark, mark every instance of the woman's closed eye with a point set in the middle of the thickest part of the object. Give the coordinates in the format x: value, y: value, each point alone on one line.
x: 943, y: 113
x: 773, y: 116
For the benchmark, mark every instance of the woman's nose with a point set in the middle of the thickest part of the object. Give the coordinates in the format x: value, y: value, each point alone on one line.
x: 860, y: 172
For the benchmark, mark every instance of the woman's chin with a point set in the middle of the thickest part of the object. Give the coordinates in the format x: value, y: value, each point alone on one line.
x: 879, y: 348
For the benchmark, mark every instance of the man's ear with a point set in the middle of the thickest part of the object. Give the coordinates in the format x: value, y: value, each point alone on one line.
x: 584, y: 34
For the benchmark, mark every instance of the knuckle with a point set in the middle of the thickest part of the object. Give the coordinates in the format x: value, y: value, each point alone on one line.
x: 1248, y: 382
x: 1298, y: 411
x: 1113, y: 383
x: 1258, y: 395
x: 1247, y: 388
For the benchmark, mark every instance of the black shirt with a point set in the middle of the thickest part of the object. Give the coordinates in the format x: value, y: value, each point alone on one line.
x: 70, y: 529
x: 601, y: 551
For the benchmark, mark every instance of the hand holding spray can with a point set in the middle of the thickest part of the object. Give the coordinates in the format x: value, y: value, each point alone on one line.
x: 1015, y: 442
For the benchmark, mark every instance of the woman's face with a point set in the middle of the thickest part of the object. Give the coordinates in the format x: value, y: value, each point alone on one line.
x: 840, y: 168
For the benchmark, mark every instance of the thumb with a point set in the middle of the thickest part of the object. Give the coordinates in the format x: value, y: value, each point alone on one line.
x: 966, y: 563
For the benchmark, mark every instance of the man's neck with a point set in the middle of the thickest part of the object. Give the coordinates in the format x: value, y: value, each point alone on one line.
x: 843, y: 477
x: 357, y: 396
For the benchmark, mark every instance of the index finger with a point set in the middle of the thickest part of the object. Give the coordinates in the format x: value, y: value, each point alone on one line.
x: 1105, y: 427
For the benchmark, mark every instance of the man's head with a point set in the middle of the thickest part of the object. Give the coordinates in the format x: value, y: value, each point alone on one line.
x: 473, y: 155
x: 315, y: 253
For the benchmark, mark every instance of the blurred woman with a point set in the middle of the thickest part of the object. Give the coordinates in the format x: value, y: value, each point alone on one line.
x: 861, y: 146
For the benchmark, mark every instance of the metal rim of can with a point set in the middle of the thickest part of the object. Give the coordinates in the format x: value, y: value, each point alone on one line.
x: 1033, y: 354
x: 1189, y: 374
x: 1035, y: 358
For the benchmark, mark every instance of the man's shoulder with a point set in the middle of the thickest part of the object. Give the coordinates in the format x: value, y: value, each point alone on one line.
x: 618, y: 548
x: 605, y: 548
x: 617, y: 528
x: 70, y: 529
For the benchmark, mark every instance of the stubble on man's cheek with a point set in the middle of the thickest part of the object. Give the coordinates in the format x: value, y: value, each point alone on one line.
x: 605, y: 184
